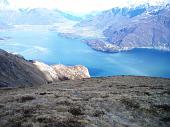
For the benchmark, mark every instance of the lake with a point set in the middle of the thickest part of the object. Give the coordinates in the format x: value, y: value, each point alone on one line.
x: 48, y: 47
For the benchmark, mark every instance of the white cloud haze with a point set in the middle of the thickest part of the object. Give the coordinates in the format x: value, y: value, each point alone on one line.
x: 78, y: 6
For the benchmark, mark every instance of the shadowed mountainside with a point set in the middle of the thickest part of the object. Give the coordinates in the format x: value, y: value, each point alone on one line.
x: 97, y: 102
x: 16, y: 71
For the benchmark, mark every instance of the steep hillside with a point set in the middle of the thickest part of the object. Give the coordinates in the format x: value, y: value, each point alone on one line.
x: 16, y: 71
x: 97, y: 102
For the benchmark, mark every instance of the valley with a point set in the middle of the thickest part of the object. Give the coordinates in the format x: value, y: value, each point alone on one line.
x: 85, y: 63
x: 41, y: 44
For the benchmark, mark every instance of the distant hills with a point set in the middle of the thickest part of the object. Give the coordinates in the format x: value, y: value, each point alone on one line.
x: 114, y: 30
x: 3, y: 25
x: 127, y: 28
x: 37, y: 16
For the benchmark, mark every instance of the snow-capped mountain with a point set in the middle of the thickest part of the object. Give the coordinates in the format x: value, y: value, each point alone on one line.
x: 144, y: 26
x: 37, y: 16
x: 79, y: 5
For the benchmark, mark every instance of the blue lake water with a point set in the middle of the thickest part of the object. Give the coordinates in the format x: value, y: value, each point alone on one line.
x: 48, y: 47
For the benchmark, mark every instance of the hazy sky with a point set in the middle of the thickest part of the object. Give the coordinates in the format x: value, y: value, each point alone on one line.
x: 77, y: 6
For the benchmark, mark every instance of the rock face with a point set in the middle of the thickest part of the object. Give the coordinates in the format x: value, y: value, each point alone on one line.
x: 128, y: 28
x: 16, y: 71
x: 49, y: 72
x: 61, y: 72
x: 96, y: 102
x: 71, y: 72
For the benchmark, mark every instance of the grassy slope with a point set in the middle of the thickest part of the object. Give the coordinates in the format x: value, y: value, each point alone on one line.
x: 97, y: 102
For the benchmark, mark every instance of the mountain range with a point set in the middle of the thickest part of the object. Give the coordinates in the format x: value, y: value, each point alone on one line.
x: 114, y: 30
x: 36, y: 16
x: 128, y: 28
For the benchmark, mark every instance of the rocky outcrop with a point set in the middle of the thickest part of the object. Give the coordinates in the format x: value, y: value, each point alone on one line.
x: 16, y: 71
x: 48, y: 71
x: 62, y: 72
x: 71, y: 72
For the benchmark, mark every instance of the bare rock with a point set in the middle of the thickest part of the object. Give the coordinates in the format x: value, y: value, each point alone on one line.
x: 71, y: 72
x: 48, y: 71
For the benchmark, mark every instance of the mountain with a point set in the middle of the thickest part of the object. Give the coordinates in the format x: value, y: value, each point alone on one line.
x: 3, y: 4
x: 4, y: 25
x: 104, y: 19
x: 143, y: 26
x: 69, y: 16
x: 36, y: 16
x: 16, y: 71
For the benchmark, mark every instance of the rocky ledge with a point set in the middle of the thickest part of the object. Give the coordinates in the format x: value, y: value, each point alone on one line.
x: 16, y: 71
x: 62, y: 72
x: 97, y: 102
